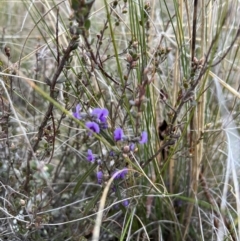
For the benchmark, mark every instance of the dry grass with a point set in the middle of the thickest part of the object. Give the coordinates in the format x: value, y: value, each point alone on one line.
x: 167, y: 68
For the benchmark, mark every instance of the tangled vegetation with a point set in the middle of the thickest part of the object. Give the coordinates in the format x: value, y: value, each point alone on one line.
x: 119, y: 120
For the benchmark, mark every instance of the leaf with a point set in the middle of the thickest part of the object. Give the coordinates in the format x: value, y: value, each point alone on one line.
x: 84, y: 177
x: 75, y: 4
x: 50, y: 168
x: 128, y: 223
x: 87, y: 24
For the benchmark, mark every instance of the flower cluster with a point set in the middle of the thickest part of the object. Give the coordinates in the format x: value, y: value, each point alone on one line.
x: 118, y: 135
x: 97, y: 118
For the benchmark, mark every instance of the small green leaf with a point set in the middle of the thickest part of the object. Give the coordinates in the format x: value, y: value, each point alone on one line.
x: 84, y: 177
x: 50, y: 168
x: 75, y: 5
x: 87, y: 24
x: 128, y: 223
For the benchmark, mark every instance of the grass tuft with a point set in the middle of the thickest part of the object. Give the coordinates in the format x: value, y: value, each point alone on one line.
x: 119, y: 120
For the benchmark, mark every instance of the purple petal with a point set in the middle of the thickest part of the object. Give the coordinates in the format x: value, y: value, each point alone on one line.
x: 76, y: 114
x: 144, y: 138
x: 111, y: 153
x: 93, y: 126
x: 103, y: 115
x: 132, y: 146
x: 116, y: 176
x: 125, y: 203
x: 123, y: 173
x: 100, y: 114
x: 99, y: 177
x: 118, y: 134
x: 90, y: 156
x: 96, y: 112
x: 120, y: 174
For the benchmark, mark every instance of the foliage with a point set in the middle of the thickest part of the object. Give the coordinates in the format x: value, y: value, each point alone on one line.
x: 119, y: 120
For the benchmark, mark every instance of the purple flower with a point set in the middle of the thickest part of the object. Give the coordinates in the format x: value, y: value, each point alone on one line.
x: 99, y: 177
x: 100, y: 114
x: 123, y: 173
x: 103, y: 115
x: 132, y: 146
x: 90, y: 156
x: 144, y: 138
x: 93, y: 126
x: 111, y: 153
x: 125, y: 203
x: 116, y: 176
x: 118, y: 134
x: 77, y: 113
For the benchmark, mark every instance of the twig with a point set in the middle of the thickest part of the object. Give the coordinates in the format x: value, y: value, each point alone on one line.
x: 70, y: 48
x: 168, y: 143
x: 57, y: 39
x: 99, y: 65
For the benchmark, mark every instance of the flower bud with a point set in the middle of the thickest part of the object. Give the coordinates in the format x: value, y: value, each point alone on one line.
x: 22, y: 202
x: 129, y: 58
x: 126, y: 149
